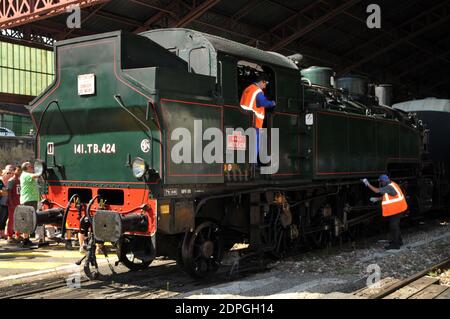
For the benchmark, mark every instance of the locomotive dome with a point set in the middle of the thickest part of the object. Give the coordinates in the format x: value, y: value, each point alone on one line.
x: 200, y: 50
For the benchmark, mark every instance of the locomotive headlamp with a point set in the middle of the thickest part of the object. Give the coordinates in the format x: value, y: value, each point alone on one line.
x: 39, y: 167
x: 139, y: 167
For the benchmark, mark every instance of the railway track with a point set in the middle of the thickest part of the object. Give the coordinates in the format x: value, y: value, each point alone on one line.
x: 423, y: 285
x: 164, y: 279
x: 160, y: 281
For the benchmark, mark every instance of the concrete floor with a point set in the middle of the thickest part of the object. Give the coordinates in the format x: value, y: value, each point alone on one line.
x: 329, y: 273
x: 15, y: 261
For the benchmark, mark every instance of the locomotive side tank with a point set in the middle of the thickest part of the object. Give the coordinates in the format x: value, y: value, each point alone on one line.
x: 108, y: 125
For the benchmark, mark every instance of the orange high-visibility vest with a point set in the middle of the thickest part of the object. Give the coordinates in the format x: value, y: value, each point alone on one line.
x: 248, y: 102
x: 394, y: 205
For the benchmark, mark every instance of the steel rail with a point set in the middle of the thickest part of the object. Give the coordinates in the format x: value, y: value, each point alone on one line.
x: 409, y: 280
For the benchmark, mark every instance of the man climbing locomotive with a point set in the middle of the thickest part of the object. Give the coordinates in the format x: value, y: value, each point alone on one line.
x: 254, y: 100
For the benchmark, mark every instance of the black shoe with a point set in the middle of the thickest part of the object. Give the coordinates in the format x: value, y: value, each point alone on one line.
x: 68, y: 245
x: 26, y: 243
x: 392, y: 247
x: 401, y: 243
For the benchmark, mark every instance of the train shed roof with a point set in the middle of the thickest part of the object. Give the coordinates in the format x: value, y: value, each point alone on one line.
x: 411, y: 50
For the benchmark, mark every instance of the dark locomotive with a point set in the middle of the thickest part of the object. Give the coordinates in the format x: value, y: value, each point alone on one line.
x: 104, y: 139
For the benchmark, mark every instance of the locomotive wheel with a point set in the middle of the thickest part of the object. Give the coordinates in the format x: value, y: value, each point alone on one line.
x: 202, y: 250
x: 135, y: 252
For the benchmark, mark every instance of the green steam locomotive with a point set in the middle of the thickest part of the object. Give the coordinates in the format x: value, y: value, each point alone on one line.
x: 109, y: 131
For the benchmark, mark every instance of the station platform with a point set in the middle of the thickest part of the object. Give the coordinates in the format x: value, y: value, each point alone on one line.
x: 21, y: 263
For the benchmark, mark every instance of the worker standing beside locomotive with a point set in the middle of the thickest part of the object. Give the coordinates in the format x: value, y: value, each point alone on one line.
x: 393, y: 206
x: 253, y: 99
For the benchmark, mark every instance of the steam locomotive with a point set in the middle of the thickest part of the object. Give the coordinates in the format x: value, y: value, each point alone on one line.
x: 105, y: 138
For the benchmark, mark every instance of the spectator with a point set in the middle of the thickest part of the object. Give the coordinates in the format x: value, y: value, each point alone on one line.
x: 29, y: 195
x: 13, y: 202
x: 3, y: 216
x: 6, y: 175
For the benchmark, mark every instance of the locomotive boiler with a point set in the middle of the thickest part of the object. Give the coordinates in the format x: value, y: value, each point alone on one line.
x: 105, y: 140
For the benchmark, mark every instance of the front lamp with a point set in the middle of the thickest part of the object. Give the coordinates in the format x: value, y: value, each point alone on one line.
x: 39, y: 167
x: 139, y: 167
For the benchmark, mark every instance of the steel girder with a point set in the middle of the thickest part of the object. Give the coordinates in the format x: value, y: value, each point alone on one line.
x: 246, y: 31
x: 316, y: 14
x: 18, y: 12
x: 398, y: 33
x: 246, y: 9
x: 151, y: 6
x: 15, y: 98
x: 411, y: 66
x: 41, y: 34
x: 418, y: 25
x: 86, y: 18
x: 194, y: 13
x: 408, y: 65
x: 439, y: 83
x: 182, y: 14
x: 393, y: 31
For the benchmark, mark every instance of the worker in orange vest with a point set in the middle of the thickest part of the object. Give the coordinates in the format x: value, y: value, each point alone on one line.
x: 393, y: 206
x: 253, y: 99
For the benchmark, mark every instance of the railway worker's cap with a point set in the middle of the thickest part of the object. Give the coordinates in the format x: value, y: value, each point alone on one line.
x: 262, y: 77
x: 384, y: 179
